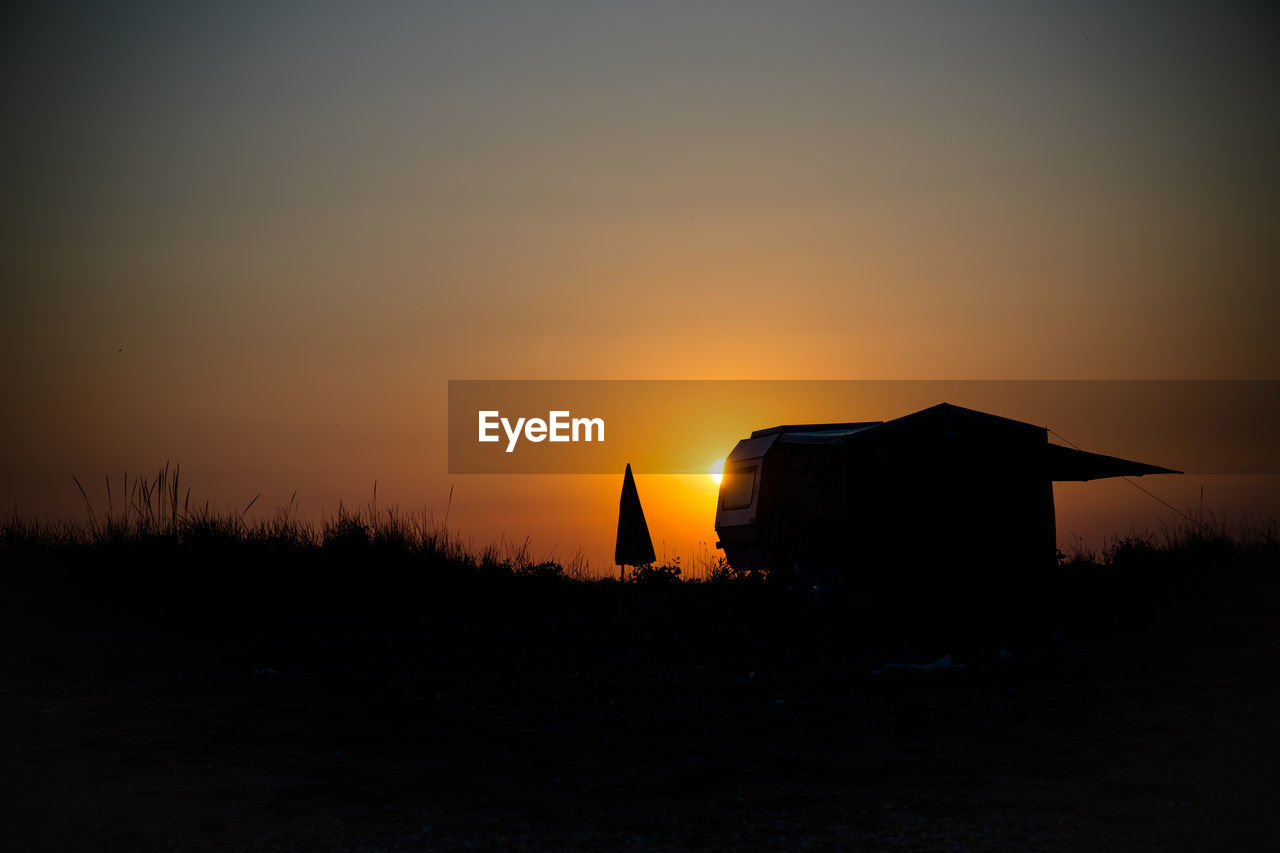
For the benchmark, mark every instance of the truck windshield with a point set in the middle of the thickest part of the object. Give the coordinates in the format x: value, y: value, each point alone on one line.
x: 739, y: 487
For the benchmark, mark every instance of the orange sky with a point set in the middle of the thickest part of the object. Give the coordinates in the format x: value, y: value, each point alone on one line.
x: 260, y: 241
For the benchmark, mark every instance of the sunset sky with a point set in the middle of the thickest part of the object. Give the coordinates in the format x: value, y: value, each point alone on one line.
x: 259, y: 238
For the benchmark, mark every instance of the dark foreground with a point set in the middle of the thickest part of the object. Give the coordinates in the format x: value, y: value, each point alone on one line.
x: 561, y: 717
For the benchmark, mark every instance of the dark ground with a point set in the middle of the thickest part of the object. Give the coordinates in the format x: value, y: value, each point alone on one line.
x: 555, y: 717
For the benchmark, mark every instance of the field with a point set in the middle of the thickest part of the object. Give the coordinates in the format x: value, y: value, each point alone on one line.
x: 186, y: 682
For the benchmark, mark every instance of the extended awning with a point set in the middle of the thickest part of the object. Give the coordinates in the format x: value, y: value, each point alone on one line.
x: 1067, y: 463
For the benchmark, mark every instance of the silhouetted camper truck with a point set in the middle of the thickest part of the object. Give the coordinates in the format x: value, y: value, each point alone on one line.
x: 951, y: 497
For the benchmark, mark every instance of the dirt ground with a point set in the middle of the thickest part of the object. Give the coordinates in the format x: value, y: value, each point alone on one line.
x: 684, y: 720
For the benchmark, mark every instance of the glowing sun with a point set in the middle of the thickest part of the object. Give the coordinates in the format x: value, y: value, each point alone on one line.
x: 716, y: 471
